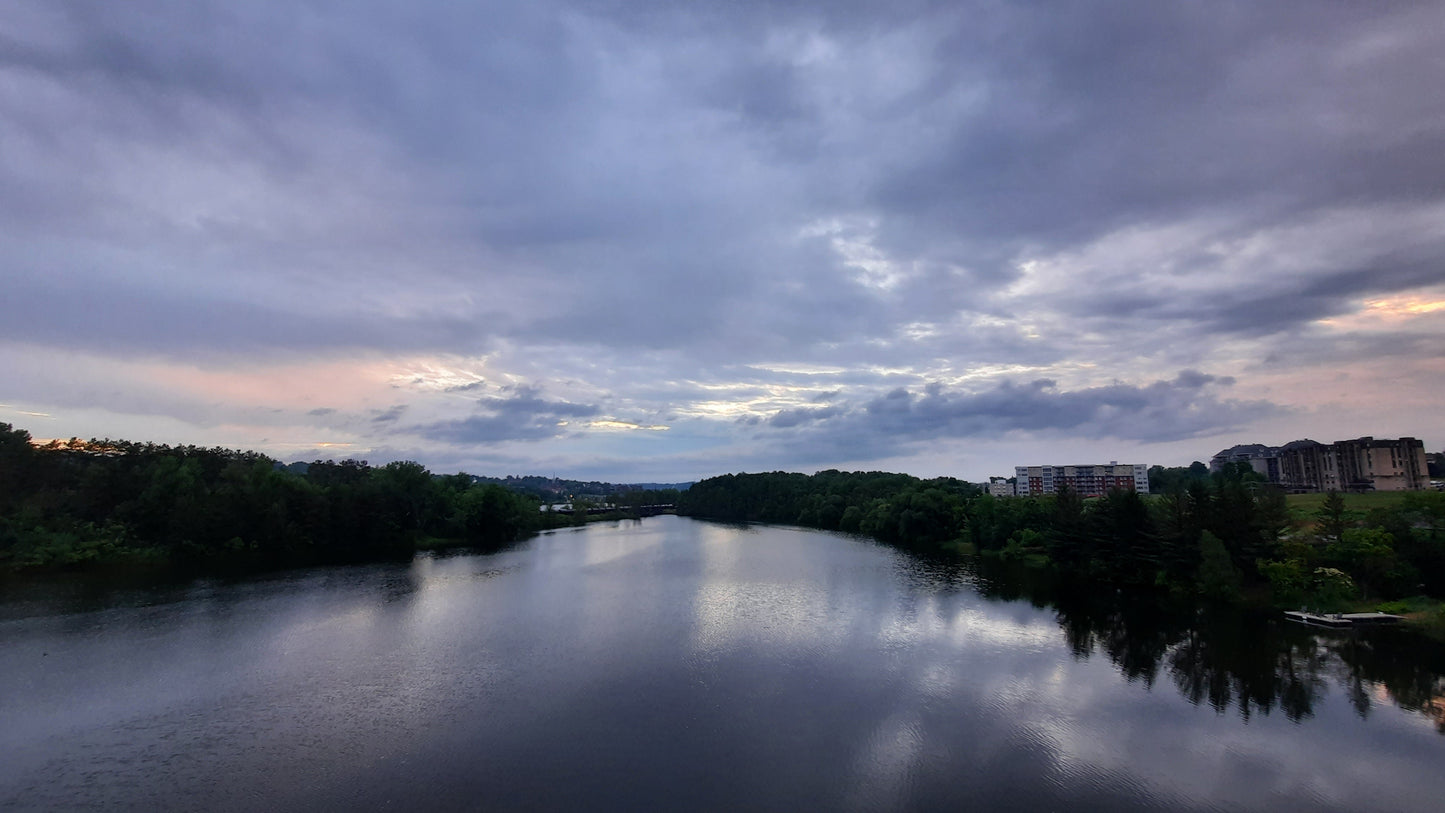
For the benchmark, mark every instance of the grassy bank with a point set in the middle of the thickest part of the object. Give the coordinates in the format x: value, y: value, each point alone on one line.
x: 1423, y: 614
x: 1305, y: 505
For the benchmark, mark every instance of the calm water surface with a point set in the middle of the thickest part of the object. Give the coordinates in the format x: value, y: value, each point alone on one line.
x: 675, y: 664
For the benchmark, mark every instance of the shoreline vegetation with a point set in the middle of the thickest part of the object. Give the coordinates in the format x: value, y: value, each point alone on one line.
x: 106, y: 505
x: 1224, y: 539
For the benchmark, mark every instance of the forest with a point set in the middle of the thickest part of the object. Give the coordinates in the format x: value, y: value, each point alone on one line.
x: 1227, y: 537
x: 102, y: 503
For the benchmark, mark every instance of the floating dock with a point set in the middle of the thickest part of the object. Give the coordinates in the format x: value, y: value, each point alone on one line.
x: 1341, y: 620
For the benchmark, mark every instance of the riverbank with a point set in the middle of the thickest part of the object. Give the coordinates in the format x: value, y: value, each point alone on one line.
x: 1421, y: 614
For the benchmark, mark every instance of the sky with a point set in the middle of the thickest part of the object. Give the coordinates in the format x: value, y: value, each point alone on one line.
x: 644, y: 241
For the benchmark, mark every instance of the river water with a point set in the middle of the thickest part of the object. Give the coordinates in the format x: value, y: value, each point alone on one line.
x: 671, y: 664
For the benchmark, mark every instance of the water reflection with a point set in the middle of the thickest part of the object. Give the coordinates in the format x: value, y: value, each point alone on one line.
x: 1390, y: 666
x: 1252, y: 663
x: 675, y: 664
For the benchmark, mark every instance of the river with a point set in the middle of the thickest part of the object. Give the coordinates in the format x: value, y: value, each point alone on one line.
x: 672, y: 664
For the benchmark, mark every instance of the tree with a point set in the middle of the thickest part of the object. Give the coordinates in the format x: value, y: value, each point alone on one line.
x: 1162, y: 480
x: 17, y: 459
x: 1218, y: 579
x: 1271, y: 516
x: 1332, y: 590
x: 1418, y: 526
x: 1289, y: 581
x: 1330, y: 521
x: 411, y: 494
x: 1069, y: 540
x: 1368, y: 554
x: 490, y: 514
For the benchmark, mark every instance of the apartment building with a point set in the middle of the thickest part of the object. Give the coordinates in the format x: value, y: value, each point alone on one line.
x: 1263, y: 459
x: 1362, y: 464
x: 1086, y: 480
x: 1367, y: 464
x: 1000, y: 487
x: 1307, y: 465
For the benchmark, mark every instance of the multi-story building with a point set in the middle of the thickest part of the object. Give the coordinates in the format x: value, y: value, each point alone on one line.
x: 1000, y: 487
x: 1363, y: 464
x: 1087, y: 481
x: 1307, y: 465
x: 1263, y: 459
x: 1367, y: 464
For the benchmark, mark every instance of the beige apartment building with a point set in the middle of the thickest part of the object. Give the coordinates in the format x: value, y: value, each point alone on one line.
x: 1362, y: 464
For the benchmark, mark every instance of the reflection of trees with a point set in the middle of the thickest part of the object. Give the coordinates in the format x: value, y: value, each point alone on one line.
x: 1256, y: 666
x: 1301, y: 666
x: 1230, y: 662
x: 1135, y: 637
x: 1232, y: 659
x: 1410, y: 671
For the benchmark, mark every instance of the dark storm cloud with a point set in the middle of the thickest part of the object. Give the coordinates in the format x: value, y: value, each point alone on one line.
x: 1271, y: 300
x: 520, y: 415
x: 1184, y: 407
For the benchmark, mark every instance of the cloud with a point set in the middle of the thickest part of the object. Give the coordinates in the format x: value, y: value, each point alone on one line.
x: 389, y: 415
x: 741, y: 220
x: 785, y: 418
x: 522, y: 415
x: 1188, y: 406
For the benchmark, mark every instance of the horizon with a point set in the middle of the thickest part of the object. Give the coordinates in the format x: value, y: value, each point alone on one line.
x: 640, y: 243
x: 41, y: 442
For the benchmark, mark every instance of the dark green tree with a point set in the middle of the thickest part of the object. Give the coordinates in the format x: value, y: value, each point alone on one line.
x: 1218, y: 578
x: 1331, y: 520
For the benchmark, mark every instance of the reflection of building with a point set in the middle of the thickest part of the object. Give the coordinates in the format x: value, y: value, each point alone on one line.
x: 1087, y: 481
x: 1363, y: 464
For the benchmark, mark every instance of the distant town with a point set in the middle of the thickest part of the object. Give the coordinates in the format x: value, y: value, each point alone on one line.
x: 1299, y: 467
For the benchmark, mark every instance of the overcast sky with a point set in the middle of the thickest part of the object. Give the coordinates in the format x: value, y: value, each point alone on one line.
x: 647, y: 241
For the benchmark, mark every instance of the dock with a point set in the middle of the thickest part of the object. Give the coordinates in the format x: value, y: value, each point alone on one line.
x: 1341, y: 620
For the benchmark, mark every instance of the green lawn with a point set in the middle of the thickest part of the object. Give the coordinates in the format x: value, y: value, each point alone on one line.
x: 1304, y: 508
x: 1305, y: 505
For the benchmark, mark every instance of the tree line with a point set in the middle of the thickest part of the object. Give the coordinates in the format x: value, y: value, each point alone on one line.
x: 1226, y: 537
x: 118, y: 503
x: 894, y: 508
